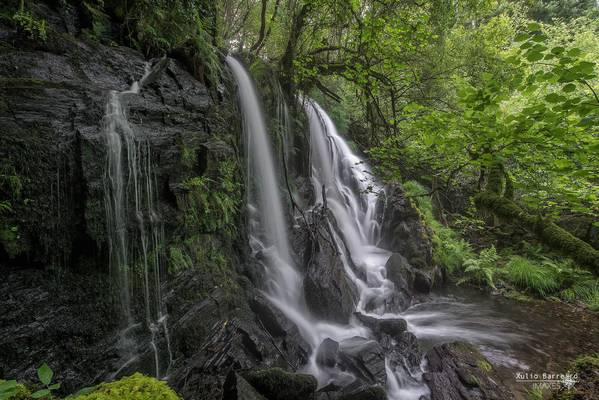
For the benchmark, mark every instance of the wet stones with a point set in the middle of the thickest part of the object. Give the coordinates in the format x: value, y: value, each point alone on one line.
x: 364, y: 358
x: 326, y: 355
x: 379, y: 326
x: 459, y: 371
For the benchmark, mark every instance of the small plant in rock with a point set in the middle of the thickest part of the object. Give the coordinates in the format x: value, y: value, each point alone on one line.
x: 45, y: 374
x: 26, y: 22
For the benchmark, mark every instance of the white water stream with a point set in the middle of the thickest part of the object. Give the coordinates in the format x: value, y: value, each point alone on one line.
x: 135, y: 254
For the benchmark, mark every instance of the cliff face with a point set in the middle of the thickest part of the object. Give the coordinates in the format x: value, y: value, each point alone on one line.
x: 58, y: 304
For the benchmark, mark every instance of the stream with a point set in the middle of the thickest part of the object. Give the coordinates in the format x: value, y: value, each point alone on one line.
x: 534, y: 336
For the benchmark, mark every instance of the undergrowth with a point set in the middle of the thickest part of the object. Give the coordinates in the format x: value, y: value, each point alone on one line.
x: 530, y: 270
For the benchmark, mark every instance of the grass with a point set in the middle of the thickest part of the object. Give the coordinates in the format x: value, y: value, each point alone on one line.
x: 527, y: 274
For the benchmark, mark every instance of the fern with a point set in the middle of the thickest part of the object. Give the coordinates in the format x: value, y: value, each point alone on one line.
x: 481, y: 270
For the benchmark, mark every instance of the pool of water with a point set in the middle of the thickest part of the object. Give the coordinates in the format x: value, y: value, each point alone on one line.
x: 534, y: 336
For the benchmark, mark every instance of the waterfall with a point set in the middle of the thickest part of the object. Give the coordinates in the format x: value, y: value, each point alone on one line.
x: 352, y: 196
x: 135, y: 252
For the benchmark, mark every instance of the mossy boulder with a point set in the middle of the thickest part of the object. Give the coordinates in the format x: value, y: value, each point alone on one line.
x: 278, y: 384
x: 134, y: 387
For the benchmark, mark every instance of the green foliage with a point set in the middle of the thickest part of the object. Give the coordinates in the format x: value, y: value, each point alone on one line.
x: 163, y: 27
x: 34, y: 28
x: 212, y: 205
x: 134, y: 387
x: 45, y: 374
x: 527, y: 274
x: 450, y: 251
x: 11, y: 390
x: 585, y: 291
x: 480, y: 270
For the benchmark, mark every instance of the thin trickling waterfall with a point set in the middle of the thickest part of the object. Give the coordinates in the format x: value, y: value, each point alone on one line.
x: 135, y: 251
x: 352, y: 197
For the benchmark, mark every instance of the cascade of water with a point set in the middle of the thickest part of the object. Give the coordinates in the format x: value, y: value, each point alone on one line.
x: 352, y: 196
x: 268, y: 230
x: 130, y: 190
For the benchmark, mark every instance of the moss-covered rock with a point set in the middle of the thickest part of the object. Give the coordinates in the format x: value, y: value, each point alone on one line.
x: 134, y: 387
x: 585, y: 371
x: 278, y: 384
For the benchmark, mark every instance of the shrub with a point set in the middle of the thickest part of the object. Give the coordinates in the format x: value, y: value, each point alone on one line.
x: 134, y: 387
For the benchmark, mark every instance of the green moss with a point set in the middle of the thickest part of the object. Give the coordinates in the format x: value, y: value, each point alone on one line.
x: 134, y: 387
x: 587, y: 385
x: 484, y: 365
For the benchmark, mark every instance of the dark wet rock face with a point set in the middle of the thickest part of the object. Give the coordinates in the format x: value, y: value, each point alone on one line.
x: 328, y: 291
x: 364, y: 358
x: 457, y: 371
x: 237, y: 388
x: 327, y: 352
x: 66, y: 322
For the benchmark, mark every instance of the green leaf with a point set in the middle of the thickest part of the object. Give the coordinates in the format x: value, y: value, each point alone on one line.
x: 44, y: 373
x: 554, y: 98
x: 569, y: 88
x: 534, y: 56
x: 521, y: 37
x: 574, y: 52
x: 557, y: 50
x: 40, y: 393
x: 534, y: 26
x: 56, y: 386
x: 8, y: 385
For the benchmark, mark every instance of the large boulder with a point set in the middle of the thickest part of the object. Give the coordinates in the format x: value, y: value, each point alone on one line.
x: 277, y: 384
x: 364, y: 358
x: 405, y: 277
x: 283, y: 332
x: 237, y: 388
x: 328, y: 291
x: 458, y: 371
x: 379, y: 326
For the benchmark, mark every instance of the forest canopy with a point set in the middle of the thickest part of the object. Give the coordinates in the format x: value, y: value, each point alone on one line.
x: 473, y: 96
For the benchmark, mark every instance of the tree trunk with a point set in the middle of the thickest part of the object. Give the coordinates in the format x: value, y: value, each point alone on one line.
x: 551, y: 234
